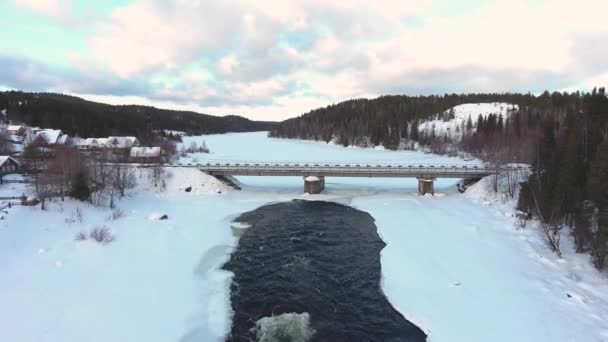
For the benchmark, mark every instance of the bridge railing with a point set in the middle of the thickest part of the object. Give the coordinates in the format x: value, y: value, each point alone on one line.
x: 376, y: 168
x: 317, y: 164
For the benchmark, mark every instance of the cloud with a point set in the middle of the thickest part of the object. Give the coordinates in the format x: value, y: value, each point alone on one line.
x: 32, y: 75
x: 50, y: 8
x: 264, y: 56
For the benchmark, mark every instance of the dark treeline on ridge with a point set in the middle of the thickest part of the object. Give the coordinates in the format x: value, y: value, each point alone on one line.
x: 79, y: 117
x: 563, y: 136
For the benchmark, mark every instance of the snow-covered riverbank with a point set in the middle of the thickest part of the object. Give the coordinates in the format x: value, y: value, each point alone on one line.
x: 456, y: 265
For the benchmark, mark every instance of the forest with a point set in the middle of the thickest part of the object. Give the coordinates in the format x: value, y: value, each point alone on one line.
x: 79, y: 117
x: 563, y: 136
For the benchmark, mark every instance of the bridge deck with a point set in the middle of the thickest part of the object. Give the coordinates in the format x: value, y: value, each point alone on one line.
x: 341, y: 169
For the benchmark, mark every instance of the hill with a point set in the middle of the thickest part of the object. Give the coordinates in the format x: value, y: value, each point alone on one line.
x: 78, y: 117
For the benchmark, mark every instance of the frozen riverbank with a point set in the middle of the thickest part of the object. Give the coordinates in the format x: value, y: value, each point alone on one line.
x: 476, y: 276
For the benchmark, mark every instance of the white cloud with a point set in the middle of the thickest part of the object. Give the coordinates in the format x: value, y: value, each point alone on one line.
x: 227, y: 64
x: 51, y: 8
x: 255, y: 51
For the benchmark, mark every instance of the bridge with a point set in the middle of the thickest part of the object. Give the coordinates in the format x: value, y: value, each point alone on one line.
x: 314, y: 173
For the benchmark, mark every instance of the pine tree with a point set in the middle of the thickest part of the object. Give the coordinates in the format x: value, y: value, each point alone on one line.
x: 469, y: 125
x: 598, y: 193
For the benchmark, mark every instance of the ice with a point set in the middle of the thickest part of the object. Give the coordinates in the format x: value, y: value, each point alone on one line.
x: 286, y: 327
x: 460, y: 270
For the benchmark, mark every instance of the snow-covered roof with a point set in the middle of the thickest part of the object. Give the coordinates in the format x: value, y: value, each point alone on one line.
x: 50, y: 136
x: 4, y: 159
x: 63, y: 139
x: 145, y: 152
x: 122, y: 142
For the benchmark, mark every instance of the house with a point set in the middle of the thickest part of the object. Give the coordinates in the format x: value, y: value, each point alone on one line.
x: 91, y: 143
x: 145, y: 155
x: 47, y: 137
x: 16, y: 130
x: 8, y: 165
x: 122, y: 142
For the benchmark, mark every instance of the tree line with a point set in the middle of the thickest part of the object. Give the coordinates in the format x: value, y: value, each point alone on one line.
x: 563, y: 136
x: 78, y: 117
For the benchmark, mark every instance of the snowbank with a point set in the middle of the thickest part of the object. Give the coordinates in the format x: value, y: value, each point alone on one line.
x: 181, y: 178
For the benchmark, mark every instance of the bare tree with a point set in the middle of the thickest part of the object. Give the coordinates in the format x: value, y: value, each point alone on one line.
x: 64, y: 167
x: 100, y: 175
x: 123, y: 178
x: 550, y: 226
x: 5, y: 145
x: 34, y: 163
x: 158, y: 177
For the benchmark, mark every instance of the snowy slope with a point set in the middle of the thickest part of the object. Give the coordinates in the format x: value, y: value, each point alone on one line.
x: 454, y: 127
x: 457, y: 265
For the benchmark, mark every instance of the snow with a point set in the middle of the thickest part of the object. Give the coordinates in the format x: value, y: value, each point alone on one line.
x: 122, y: 142
x: 14, y: 128
x: 49, y: 135
x: 3, y: 159
x: 311, y: 179
x: 453, y: 127
x: 13, y: 186
x: 461, y: 270
x: 292, y: 325
x: 145, y: 151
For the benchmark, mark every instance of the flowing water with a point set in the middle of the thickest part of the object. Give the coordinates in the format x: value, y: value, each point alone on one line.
x: 311, y: 268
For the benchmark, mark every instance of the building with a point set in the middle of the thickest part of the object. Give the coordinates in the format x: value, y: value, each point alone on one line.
x: 110, y: 142
x: 47, y: 137
x: 8, y: 165
x: 122, y: 142
x: 145, y: 155
x: 16, y: 130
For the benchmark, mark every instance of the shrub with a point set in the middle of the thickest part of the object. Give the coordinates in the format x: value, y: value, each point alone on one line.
x: 80, y: 236
x: 102, y: 235
x: 116, y: 214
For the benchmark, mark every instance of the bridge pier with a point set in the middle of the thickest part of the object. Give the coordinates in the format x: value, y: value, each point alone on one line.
x: 314, y: 184
x: 426, y: 185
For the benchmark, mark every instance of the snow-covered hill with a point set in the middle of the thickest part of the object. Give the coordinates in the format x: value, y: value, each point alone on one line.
x: 453, y: 121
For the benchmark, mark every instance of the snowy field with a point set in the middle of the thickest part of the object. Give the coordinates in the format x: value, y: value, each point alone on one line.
x: 456, y: 265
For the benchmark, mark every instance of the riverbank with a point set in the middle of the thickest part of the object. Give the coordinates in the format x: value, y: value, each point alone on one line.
x: 475, y: 274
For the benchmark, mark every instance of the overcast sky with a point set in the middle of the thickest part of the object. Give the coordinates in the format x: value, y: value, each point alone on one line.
x: 273, y: 59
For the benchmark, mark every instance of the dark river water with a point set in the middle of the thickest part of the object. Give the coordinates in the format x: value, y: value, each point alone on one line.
x: 313, y: 257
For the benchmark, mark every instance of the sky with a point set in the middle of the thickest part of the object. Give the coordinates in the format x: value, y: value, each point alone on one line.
x: 275, y: 59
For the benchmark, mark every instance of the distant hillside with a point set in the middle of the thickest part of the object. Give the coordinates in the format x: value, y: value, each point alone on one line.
x: 79, y: 117
x: 384, y: 120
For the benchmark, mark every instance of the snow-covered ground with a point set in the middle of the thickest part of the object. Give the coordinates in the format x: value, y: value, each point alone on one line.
x: 453, y: 128
x: 456, y: 264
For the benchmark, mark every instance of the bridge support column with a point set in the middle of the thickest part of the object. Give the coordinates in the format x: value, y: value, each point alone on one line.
x: 314, y: 184
x: 426, y: 185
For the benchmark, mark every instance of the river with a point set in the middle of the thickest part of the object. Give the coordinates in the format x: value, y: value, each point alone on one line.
x: 318, y: 258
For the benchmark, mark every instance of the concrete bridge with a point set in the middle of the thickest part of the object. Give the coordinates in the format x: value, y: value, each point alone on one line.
x: 314, y: 173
